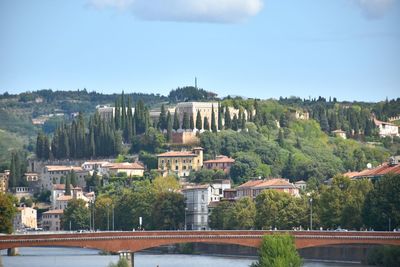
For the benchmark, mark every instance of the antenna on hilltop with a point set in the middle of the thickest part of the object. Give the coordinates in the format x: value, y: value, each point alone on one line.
x: 195, y: 82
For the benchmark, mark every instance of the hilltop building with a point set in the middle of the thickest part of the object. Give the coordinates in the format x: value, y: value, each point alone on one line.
x: 180, y: 163
x: 253, y: 188
x: 386, y: 128
x: 221, y: 162
x: 107, y: 112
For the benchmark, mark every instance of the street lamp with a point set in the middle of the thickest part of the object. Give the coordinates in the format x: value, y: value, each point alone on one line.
x: 311, y: 217
x: 108, y: 217
x: 185, y: 219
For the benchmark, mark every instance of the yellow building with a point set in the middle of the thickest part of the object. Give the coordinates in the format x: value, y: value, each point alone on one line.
x: 25, y: 218
x: 4, y: 181
x: 180, y: 163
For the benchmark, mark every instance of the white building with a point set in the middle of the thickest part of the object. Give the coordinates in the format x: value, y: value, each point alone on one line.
x: 386, y: 128
x: 108, y: 113
x: 98, y: 166
x: 25, y: 218
x: 51, y: 220
x: 51, y: 174
x: 198, y: 199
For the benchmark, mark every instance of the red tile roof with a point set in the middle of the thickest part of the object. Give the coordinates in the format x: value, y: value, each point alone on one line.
x: 275, y: 182
x: 378, y: 171
x: 220, y: 159
x: 250, y: 183
x: 54, y: 212
x: 126, y: 166
x: 177, y: 154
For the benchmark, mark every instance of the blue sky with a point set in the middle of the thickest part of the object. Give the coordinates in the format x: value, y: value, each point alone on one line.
x: 256, y: 48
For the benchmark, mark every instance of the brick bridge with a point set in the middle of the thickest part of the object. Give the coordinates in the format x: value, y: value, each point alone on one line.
x: 136, y: 241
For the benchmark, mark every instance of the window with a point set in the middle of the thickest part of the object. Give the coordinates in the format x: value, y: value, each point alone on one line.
x: 184, y: 161
x: 162, y: 161
x: 176, y: 161
x: 176, y: 167
x: 184, y: 167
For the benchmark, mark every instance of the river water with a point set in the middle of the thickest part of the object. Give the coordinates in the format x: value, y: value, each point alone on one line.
x: 76, y: 257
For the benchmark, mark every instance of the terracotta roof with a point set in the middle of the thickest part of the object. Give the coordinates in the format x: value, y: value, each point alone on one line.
x: 301, y: 182
x: 52, y: 168
x: 177, y: 154
x: 62, y: 187
x: 378, y: 171
x: 276, y: 182
x: 378, y: 122
x: 250, y: 183
x: 64, y: 198
x: 127, y: 166
x: 220, y: 159
x: 195, y: 187
x: 54, y: 212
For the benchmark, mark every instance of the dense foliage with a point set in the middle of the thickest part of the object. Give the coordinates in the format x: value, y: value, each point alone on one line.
x: 278, y: 250
x: 7, y: 212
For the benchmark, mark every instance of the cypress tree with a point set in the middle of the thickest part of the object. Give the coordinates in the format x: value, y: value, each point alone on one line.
x: 219, y: 117
x: 199, y: 124
x: 281, y: 138
x: 176, y: 125
x: 39, y: 145
x: 206, y: 124
x: 46, y: 148
x: 67, y: 186
x: 162, y: 120
x: 243, y: 121
x: 169, y: 127
x: 13, y: 171
x: 186, y: 122
x: 235, y: 124
x: 72, y: 174
x: 191, y: 123
x: 228, y: 121
x: 213, y: 121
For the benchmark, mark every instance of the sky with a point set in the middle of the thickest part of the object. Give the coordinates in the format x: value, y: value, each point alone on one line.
x: 349, y: 49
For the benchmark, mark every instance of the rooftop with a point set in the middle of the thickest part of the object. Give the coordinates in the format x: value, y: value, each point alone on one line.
x: 64, y: 198
x: 54, y: 212
x: 381, y: 170
x: 177, y: 154
x: 126, y: 165
x: 275, y: 182
x: 220, y: 159
x: 250, y: 183
x: 52, y: 168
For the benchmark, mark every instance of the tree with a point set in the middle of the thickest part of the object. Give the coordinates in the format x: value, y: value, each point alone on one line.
x: 68, y: 185
x: 206, y: 126
x: 121, y: 263
x: 73, y: 180
x: 235, y: 123
x: 162, y: 120
x: 278, y: 250
x: 228, y: 121
x: 244, y: 214
x: 213, y: 121
x: 75, y: 215
x: 220, y: 217
x: 168, y: 211
x: 191, y: 123
x: 7, y: 212
x: 186, y: 122
x: 382, y: 204
x: 103, y: 211
x: 279, y: 209
x: 176, y: 124
x: 169, y: 127
x: 220, y: 114
x: 166, y: 184
x: 199, y: 124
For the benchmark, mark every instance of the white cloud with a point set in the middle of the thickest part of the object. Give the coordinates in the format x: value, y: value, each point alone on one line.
x: 222, y: 11
x: 374, y: 9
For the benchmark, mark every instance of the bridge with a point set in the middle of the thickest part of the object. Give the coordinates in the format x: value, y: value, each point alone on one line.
x: 126, y: 243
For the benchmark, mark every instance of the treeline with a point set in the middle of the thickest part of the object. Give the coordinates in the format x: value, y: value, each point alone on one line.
x: 347, y: 204
x: 99, y: 139
x: 190, y: 93
x: 157, y: 202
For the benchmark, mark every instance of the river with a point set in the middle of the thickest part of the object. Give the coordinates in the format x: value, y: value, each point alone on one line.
x: 76, y: 257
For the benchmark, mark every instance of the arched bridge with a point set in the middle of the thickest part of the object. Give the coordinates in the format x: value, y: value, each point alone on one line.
x: 136, y: 241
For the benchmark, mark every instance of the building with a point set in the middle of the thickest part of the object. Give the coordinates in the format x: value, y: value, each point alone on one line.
x: 51, y: 220
x: 52, y: 174
x: 339, y: 133
x: 20, y: 192
x: 25, y: 218
x: 4, y: 181
x: 191, y: 108
x: 221, y: 162
x: 302, y: 185
x: 255, y: 187
x: 107, y: 112
x: 386, y: 128
x: 130, y: 169
x: 391, y: 167
x: 230, y: 194
x: 59, y: 200
x: 98, y: 166
x: 180, y: 163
